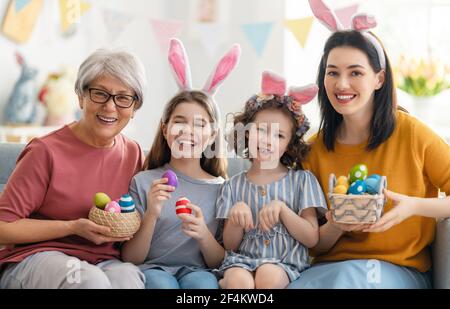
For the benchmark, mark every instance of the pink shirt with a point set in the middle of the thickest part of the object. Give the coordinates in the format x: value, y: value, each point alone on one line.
x: 55, y: 178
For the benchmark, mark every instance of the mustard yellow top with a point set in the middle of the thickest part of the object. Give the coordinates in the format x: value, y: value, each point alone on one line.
x: 416, y: 162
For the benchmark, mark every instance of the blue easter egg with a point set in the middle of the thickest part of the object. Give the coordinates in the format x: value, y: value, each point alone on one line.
x: 357, y: 188
x: 126, y: 203
x: 376, y: 176
x: 373, y: 183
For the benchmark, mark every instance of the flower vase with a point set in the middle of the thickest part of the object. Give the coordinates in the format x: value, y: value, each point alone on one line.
x: 424, y: 108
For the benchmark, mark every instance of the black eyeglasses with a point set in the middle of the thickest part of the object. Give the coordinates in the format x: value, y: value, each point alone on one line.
x: 120, y: 100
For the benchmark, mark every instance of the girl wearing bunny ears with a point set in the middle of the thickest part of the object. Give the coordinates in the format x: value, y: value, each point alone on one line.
x: 361, y: 123
x: 176, y: 251
x: 270, y: 210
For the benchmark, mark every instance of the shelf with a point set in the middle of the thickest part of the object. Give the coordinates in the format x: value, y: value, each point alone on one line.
x: 22, y: 134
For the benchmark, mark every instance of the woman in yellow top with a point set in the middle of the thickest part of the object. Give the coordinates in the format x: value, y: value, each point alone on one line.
x: 361, y: 123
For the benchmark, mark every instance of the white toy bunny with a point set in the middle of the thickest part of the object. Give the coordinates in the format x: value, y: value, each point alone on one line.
x: 21, y: 107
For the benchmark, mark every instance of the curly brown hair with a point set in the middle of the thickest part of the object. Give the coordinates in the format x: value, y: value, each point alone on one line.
x: 297, y: 148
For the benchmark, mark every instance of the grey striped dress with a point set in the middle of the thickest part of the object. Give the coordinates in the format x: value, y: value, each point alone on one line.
x: 298, y: 190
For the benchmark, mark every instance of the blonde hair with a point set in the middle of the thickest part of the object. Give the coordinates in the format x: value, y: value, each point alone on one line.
x: 160, y: 152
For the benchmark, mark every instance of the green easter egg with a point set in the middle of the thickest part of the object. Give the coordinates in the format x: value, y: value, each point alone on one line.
x: 358, y: 172
x: 101, y: 199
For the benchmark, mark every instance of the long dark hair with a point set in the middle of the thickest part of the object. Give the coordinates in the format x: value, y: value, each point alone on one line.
x: 385, y: 101
x: 160, y: 152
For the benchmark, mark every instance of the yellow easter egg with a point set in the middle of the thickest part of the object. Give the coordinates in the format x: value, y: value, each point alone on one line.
x: 340, y: 189
x: 343, y: 181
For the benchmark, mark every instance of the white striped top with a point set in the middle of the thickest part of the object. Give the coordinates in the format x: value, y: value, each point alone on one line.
x: 298, y: 190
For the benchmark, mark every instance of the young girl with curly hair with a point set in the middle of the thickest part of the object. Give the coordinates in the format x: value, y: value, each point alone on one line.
x: 270, y: 210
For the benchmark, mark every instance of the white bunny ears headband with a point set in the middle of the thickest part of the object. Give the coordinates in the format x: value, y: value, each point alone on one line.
x: 273, y: 87
x: 179, y: 64
x: 360, y: 22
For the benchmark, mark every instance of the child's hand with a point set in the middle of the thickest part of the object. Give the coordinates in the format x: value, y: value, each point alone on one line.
x: 241, y: 215
x: 157, y: 194
x: 194, y: 225
x: 269, y: 215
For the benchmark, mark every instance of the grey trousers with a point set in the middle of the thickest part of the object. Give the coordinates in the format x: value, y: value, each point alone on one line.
x: 56, y: 270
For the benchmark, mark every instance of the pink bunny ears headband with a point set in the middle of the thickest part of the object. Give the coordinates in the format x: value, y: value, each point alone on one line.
x: 360, y: 22
x: 274, y: 88
x: 179, y: 64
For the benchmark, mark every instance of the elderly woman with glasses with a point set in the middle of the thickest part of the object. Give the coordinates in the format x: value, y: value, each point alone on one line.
x: 44, y: 206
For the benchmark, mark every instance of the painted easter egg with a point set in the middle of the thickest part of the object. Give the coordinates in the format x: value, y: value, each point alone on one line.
x: 343, y: 181
x: 180, y: 206
x: 357, y: 188
x: 340, y: 189
x: 172, y: 178
x: 126, y: 203
x: 358, y: 172
x: 373, y: 183
x: 101, y: 199
x: 112, y: 207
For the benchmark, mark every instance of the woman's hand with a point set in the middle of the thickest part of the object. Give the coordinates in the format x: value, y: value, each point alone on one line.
x: 402, y: 210
x: 343, y: 227
x: 241, y: 215
x: 269, y: 215
x: 157, y: 195
x: 194, y: 225
x: 94, y: 232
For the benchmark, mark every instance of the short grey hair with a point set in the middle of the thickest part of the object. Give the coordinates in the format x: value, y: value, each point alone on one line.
x: 119, y: 64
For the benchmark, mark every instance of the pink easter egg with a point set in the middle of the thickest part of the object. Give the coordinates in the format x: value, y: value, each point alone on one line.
x: 113, y: 207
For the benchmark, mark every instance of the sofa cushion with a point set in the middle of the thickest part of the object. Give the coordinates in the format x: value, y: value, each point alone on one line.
x: 441, y: 255
x: 8, y: 156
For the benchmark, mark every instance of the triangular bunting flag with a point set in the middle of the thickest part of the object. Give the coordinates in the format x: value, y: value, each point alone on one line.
x: 345, y: 15
x: 20, y: 4
x: 212, y: 35
x: 71, y: 11
x: 165, y: 30
x: 300, y: 28
x: 257, y: 34
x: 115, y: 23
x: 18, y: 26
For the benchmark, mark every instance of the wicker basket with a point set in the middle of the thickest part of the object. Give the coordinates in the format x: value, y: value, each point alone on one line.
x: 121, y: 224
x: 356, y: 209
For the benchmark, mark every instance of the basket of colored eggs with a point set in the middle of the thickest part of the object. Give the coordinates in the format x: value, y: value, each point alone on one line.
x: 358, y: 198
x: 120, y: 215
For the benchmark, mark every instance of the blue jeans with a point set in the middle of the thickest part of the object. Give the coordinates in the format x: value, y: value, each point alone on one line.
x: 160, y: 279
x: 361, y: 274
